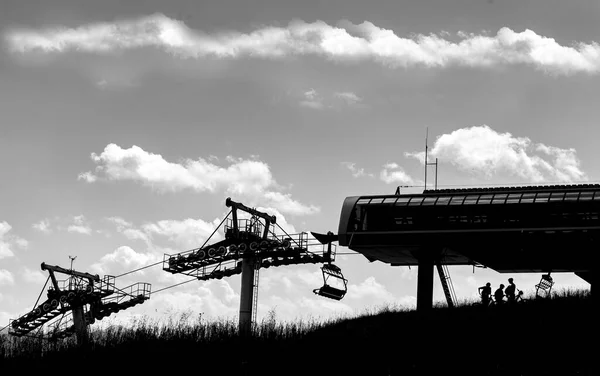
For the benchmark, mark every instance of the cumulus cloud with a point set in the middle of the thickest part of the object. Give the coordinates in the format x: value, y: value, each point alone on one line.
x: 341, y: 42
x: 189, y: 233
x: 349, y: 97
x: 124, y: 259
x: 9, y: 240
x: 80, y: 226
x: 370, y: 288
x: 312, y: 99
x: 6, y: 277
x: 484, y: 151
x: 336, y: 100
x: 33, y: 276
x: 356, y: 171
x: 393, y: 173
x: 250, y: 179
x: 43, y: 226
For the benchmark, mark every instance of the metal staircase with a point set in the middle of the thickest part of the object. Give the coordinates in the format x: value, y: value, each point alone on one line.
x: 446, y: 284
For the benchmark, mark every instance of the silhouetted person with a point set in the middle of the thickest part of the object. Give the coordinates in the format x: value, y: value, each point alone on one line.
x: 486, y: 294
x: 499, y: 295
x: 510, y: 291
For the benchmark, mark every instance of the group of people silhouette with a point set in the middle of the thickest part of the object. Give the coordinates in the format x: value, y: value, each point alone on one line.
x: 499, y: 294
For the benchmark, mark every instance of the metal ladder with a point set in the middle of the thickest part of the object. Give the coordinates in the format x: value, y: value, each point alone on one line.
x: 255, y: 291
x: 446, y: 284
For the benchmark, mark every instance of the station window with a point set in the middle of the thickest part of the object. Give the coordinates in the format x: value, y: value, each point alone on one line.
x: 471, y: 200
x: 542, y: 197
x: 586, y: 196
x: 457, y: 200
x: 415, y: 201
x: 485, y: 199
x: 499, y: 198
x: 428, y: 201
x: 402, y: 200
x: 557, y: 196
x: 390, y: 200
x: 527, y: 198
x: 363, y: 201
x: 513, y: 198
x: 597, y: 196
x: 571, y: 196
x: 376, y: 200
x: 443, y: 200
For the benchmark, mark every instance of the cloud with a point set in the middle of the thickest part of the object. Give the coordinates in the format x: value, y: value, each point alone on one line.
x: 349, y: 97
x: 43, y: 226
x: 356, y: 172
x: 250, y: 179
x: 393, y: 173
x: 312, y: 99
x: 484, y: 151
x: 6, y: 277
x: 33, y: 276
x: 336, y: 100
x: 343, y: 42
x: 8, y: 241
x: 80, y: 226
x: 188, y: 233
x: 370, y: 288
x: 87, y: 177
x: 123, y: 259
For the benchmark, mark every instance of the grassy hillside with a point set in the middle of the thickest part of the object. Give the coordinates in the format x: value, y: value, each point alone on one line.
x: 536, y: 337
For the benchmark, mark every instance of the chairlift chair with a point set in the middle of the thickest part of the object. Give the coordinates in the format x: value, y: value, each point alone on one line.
x: 545, y: 285
x: 328, y: 291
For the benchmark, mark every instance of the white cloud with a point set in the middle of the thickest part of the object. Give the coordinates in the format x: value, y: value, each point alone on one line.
x: 87, y: 176
x: 356, y: 172
x: 482, y: 150
x: 393, y: 173
x: 250, y: 179
x: 80, y: 226
x: 33, y: 276
x: 370, y: 288
x: 346, y: 41
x: 43, y: 226
x: 6, y: 277
x: 8, y: 240
x: 285, y: 203
x: 349, y: 97
x: 123, y: 259
x: 188, y: 233
x: 312, y: 99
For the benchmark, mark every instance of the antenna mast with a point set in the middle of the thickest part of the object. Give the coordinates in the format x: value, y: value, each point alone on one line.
x: 429, y: 164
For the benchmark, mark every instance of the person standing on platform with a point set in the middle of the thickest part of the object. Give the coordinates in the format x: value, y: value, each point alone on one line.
x: 510, y: 291
x: 499, y: 295
x: 486, y: 294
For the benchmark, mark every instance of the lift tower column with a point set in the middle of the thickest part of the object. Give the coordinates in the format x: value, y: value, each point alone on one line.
x: 248, y: 266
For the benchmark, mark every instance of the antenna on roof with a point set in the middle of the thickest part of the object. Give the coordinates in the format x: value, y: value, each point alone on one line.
x: 429, y: 164
x: 72, y: 258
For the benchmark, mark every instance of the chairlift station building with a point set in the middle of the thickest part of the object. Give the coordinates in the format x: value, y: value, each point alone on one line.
x: 524, y: 229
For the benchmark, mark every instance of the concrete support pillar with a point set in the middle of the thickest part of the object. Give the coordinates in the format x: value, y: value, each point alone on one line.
x: 246, y: 294
x: 425, y: 282
x: 81, y: 328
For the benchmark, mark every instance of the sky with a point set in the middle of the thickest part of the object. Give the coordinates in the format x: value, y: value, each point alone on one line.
x: 126, y: 125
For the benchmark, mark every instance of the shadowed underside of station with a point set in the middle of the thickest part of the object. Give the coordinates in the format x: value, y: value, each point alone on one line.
x: 510, y: 229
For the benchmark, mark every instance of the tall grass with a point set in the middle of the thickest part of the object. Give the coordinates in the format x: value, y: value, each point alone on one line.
x: 389, y: 339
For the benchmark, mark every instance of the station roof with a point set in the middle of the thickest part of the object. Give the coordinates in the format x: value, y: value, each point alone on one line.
x: 484, y: 196
x: 558, y: 236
